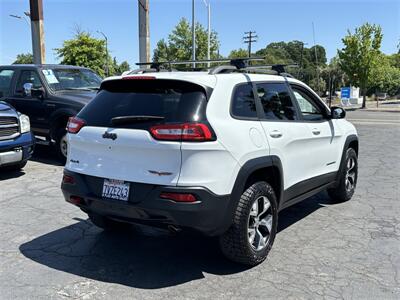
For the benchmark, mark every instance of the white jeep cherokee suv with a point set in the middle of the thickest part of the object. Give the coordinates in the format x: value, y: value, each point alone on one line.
x: 220, y: 152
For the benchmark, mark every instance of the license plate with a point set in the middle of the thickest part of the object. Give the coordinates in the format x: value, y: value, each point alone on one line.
x: 115, y: 189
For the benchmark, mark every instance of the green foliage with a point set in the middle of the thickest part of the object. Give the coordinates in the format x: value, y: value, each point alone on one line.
x: 124, y: 66
x: 24, y: 58
x: 333, y: 75
x: 86, y: 51
x: 239, y: 53
x: 385, y: 76
x: 179, y: 43
x: 360, y: 54
x: 318, y: 85
x: 296, y: 52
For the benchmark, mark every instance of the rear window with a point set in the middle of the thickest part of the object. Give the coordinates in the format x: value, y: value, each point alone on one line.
x: 171, y: 100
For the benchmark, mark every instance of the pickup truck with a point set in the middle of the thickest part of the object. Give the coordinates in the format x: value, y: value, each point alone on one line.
x: 49, y: 95
x: 16, y: 139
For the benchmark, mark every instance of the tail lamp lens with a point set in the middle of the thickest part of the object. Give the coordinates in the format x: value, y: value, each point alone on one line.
x: 185, y: 132
x: 75, y: 124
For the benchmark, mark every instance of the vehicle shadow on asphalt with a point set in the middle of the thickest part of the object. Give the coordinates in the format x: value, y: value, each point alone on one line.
x: 47, y: 155
x: 6, y: 174
x: 149, y: 260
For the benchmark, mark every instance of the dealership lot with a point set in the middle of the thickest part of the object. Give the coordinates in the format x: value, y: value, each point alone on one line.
x: 350, y: 250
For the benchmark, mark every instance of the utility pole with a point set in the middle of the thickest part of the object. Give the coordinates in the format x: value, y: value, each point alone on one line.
x: 106, y: 40
x: 208, y: 5
x: 249, y: 38
x: 193, y: 36
x: 301, y: 60
x: 316, y: 59
x: 36, y: 15
x: 144, y: 33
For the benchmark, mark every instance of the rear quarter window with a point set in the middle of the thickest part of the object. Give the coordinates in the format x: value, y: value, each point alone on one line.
x: 174, y: 101
x: 243, y: 104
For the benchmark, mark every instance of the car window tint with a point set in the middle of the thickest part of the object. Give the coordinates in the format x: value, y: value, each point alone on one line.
x: 28, y: 77
x: 243, y: 104
x: 308, y: 109
x: 276, y: 101
x: 5, y: 82
x: 175, y: 101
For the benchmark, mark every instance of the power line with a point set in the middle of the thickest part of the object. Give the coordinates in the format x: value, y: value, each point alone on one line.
x: 249, y: 38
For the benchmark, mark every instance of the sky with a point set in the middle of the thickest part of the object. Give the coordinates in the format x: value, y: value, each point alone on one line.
x: 274, y: 21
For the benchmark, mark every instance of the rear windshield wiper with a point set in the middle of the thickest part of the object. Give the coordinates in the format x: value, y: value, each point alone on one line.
x: 134, y: 119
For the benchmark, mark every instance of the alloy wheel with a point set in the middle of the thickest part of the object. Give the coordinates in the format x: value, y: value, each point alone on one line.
x: 350, y: 182
x: 260, y: 223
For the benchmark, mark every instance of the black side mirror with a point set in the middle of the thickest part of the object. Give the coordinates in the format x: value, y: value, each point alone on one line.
x: 38, y: 93
x: 337, y: 112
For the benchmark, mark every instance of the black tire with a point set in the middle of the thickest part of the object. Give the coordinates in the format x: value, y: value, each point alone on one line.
x: 235, y: 243
x: 59, y: 138
x: 343, y: 192
x: 107, y: 224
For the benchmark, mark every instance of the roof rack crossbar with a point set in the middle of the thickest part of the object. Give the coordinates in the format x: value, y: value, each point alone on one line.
x: 235, y: 65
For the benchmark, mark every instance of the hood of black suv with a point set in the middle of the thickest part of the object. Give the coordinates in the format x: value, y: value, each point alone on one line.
x: 80, y: 96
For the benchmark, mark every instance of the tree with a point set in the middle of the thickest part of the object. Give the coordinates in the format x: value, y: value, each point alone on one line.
x: 179, y: 43
x: 86, y: 51
x: 24, y: 58
x: 386, y: 76
x: 360, y: 54
x: 124, y: 66
x: 239, y: 53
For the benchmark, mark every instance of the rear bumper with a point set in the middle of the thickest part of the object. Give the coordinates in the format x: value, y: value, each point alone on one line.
x: 207, y: 215
x: 17, y: 150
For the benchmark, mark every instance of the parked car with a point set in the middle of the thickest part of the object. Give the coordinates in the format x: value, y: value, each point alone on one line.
x: 220, y: 152
x: 49, y: 95
x: 16, y: 139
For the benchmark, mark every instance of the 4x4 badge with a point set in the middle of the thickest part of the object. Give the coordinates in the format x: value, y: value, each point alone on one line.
x: 108, y: 135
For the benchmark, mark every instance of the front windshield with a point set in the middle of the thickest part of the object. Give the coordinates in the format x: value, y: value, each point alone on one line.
x: 71, y: 79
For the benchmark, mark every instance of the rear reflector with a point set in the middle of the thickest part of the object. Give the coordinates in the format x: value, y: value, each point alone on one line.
x: 139, y: 77
x: 67, y: 179
x: 186, y: 132
x: 75, y: 124
x: 75, y: 200
x: 178, y: 197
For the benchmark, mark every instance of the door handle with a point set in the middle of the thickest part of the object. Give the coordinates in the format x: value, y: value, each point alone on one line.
x: 316, y: 131
x: 275, y: 134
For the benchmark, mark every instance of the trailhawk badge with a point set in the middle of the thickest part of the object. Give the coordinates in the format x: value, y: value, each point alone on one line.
x: 159, y: 173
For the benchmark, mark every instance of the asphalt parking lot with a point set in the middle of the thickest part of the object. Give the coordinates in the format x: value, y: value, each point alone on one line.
x: 48, y: 249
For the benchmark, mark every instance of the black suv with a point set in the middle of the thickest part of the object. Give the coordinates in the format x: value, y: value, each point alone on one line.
x: 49, y: 95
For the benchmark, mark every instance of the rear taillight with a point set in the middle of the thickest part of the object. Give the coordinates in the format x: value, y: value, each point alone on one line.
x: 75, y: 124
x: 182, y: 132
x: 178, y: 197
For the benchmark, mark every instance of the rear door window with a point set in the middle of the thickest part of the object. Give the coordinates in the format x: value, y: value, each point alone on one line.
x: 5, y: 82
x: 169, y: 101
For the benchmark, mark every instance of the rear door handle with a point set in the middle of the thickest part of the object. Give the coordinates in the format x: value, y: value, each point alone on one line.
x: 275, y: 134
x: 316, y: 131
